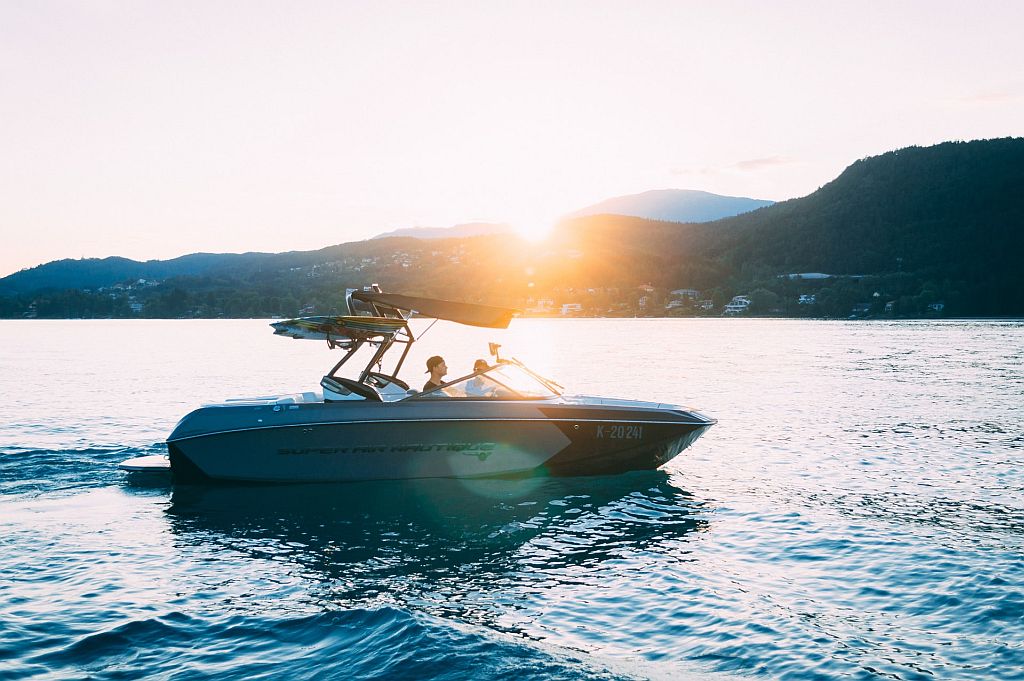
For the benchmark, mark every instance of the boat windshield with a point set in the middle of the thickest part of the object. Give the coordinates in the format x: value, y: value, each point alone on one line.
x: 502, y: 382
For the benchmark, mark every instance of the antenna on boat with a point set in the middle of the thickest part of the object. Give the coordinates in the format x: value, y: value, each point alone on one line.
x: 494, y: 347
x: 424, y: 332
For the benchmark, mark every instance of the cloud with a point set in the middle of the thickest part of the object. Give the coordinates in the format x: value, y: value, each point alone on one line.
x: 746, y: 166
x: 695, y: 171
x: 991, y: 98
x: 755, y: 164
x: 986, y: 98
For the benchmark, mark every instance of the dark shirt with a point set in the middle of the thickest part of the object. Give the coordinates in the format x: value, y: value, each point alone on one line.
x: 430, y: 385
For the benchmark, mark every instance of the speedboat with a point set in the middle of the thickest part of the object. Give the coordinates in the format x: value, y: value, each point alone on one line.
x: 502, y: 420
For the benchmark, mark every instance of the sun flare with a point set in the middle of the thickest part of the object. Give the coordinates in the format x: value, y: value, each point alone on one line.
x: 534, y: 228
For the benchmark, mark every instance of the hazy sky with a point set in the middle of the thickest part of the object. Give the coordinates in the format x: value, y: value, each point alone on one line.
x: 155, y: 129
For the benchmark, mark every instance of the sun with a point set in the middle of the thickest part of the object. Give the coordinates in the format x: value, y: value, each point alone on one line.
x: 534, y: 228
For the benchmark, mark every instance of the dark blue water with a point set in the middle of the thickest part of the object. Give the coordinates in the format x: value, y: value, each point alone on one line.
x: 857, y: 513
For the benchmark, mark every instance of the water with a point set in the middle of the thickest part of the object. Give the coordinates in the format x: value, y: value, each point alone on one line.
x: 857, y: 513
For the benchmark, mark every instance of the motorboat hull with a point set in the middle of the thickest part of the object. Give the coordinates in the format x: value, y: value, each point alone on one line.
x: 329, y: 442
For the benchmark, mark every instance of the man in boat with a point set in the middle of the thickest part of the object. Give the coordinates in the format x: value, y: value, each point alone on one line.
x: 478, y: 386
x: 437, y: 370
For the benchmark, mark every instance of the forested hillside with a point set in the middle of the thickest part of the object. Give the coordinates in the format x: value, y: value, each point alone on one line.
x: 955, y: 208
x: 933, y: 231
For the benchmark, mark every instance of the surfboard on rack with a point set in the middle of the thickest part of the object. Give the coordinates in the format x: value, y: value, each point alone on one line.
x: 338, y: 328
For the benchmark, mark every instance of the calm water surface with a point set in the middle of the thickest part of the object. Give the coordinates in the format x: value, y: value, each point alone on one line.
x: 857, y: 513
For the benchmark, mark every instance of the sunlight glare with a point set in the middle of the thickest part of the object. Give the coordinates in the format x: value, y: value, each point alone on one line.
x: 534, y: 227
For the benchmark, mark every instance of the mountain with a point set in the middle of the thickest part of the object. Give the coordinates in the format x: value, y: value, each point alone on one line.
x: 92, y: 273
x: 673, y: 205
x: 944, y: 222
x: 955, y: 208
x: 914, y: 232
x: 458, y: 231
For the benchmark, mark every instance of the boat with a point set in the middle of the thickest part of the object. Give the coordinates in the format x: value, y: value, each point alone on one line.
x: 502, y: 420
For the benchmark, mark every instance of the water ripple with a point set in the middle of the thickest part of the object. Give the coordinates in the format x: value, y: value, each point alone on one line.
x: 858, y: 512
x: 373, y: 643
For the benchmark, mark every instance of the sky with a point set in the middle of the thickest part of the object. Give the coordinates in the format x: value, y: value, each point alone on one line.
x: 151, y: 130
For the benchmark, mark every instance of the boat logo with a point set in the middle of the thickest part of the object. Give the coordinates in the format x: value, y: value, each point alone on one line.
x: 481, y: 450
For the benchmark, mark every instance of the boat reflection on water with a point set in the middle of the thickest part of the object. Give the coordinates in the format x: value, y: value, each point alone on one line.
x: 445, y: 546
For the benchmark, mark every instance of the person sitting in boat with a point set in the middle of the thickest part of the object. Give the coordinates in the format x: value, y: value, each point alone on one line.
x: 437, y: 370
x: 478, y: 386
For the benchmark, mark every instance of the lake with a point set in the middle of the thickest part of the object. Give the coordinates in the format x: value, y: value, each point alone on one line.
x: 856, y: 513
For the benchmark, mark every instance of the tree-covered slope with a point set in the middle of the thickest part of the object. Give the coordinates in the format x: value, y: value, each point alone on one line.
x: 93, y: 273
x: 952, y: 209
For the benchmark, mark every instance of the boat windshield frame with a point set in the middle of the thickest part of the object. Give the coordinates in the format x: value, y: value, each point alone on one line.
x: 503, y: 390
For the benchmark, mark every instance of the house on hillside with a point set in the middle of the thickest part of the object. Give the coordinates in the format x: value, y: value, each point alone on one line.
x: 542, y: 306
x: 807, y: 299
x: 690, y: 293
x: 738, y: 305
x: 806, y: 275
x: 569, y: 309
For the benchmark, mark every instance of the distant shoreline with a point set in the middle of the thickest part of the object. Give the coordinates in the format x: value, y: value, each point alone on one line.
x: 555, y: 317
